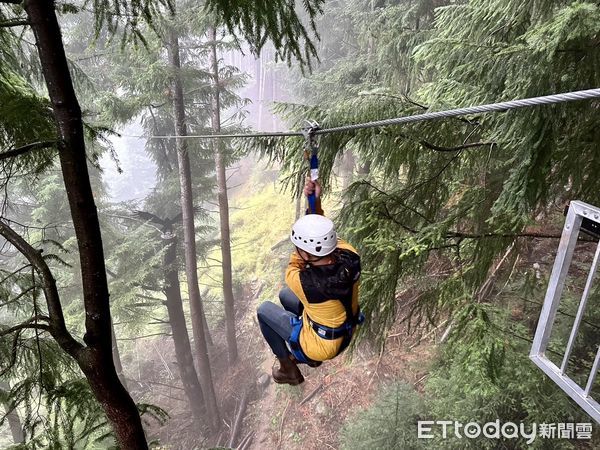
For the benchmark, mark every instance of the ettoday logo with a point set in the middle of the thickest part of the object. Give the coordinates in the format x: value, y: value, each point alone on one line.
x: 429, y: 429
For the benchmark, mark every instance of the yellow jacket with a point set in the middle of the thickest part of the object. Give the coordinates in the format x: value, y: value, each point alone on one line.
x: 330, y: 313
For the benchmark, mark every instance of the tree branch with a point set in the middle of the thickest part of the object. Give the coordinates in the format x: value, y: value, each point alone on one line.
x: 409, y: 190
x: 140, y: 285
x: 12, y: 274
x: 157, y: 383
x: 161, y: 301
x: 28, y: 324
x: 526, y: 339
x: 136, y: 338
x: 560, y: 311
x: 456, y: 234
x: 22, y: 294
x: 14, y: 23
x: 57, y: 326
x: 25, y: 148
x: 438, y: 148
x: 13, y: 354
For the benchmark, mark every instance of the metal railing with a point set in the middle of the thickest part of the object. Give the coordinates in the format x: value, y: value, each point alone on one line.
x: 579, y: 213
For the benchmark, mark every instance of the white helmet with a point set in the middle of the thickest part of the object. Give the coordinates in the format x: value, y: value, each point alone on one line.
x: 315, y: 234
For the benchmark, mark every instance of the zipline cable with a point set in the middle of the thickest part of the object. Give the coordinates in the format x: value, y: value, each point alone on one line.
x: 491, y: 107
x: 259, y: 134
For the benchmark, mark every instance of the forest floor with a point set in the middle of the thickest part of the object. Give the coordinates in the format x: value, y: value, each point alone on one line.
x: 310, y: 416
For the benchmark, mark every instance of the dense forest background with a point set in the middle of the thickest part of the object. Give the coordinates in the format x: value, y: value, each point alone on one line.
x: 133, y: 255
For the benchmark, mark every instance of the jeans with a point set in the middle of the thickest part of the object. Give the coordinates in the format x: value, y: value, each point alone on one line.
x: 275, y: 323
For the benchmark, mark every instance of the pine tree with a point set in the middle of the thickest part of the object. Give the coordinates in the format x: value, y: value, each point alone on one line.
x: 41, y: 16
x: 142, y: 92
x: 451, y: 208
x: 222, y: 200
x: 187, y: 208
x: 461, y: 190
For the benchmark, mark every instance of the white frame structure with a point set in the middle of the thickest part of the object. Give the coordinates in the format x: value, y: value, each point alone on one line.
x: 578, y: 211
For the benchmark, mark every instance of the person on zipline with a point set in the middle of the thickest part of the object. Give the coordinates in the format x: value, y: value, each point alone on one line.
x: 320, y: 303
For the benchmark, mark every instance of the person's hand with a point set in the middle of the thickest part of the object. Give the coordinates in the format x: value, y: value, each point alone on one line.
x: 311, y: 187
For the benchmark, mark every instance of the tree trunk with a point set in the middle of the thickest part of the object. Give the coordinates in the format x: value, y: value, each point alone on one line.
x: 120, y: 409
x: 14, y: 422
x: 96, y: 361
x: 207, y: 335
x: 187, y: 209
x: 117, y: 355
x: 223, y: 204
x: 183, y: 349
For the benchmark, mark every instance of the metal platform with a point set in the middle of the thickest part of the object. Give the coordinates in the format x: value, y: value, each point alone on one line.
x: 580, y: 217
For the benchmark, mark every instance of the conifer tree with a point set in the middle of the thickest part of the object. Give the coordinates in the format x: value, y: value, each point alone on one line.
x: 462, y: 189
x: 222, y: 200
x: 187, y: 208
x: 96, y: 353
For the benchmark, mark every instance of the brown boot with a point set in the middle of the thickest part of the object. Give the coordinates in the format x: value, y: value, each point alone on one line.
x: 288, y: 372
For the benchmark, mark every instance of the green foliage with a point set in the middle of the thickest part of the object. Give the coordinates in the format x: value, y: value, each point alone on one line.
x: 55, y: 404
x: 461, y: 388
x: 484, y: 376
x: 439, y: 209
x: 26, y: 119
x: 256, y: 22
x: 153, y: 412
x: 124, y: 18
x: 390, y: 423
x: 277, y: 21
x: 18, y: 101
x: 58, y: 410
x: 434, y: 206
x: 426, y: 212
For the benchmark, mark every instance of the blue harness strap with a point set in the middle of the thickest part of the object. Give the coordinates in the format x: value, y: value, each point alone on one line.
x: 294, y: 341
x: 312, y: 146
x: 314, y: 172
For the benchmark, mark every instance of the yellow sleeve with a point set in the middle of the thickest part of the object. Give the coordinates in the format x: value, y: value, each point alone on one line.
x: 346, y: 246
x: 292, y: 276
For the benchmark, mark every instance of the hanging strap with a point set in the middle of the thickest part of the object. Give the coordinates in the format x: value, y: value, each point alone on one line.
x: 311, y: 149
x: 294, y: 342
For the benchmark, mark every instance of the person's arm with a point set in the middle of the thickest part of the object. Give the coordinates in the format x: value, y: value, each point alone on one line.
x: 310, y: 187
x: 292, y: 276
